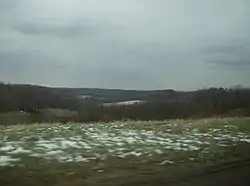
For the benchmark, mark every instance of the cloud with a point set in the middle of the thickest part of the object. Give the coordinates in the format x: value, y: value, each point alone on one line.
x: 234, y: 64
x: 151, y: 44
x: 56, y: 30
x: 225, y: 49
x: 234, y: 55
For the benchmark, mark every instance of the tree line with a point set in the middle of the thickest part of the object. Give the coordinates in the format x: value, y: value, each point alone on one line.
x: 190, y: 104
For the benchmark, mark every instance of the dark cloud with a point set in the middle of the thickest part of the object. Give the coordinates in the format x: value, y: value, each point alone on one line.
x: 233, y: 48
x: 233, y: 55
x: 56, y: 30
x: 234, y: 64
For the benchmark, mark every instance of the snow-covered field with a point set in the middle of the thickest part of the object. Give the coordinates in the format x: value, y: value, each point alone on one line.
x: 143, y: 141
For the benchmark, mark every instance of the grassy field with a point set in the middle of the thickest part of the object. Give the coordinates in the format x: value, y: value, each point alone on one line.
x: 119, y: 152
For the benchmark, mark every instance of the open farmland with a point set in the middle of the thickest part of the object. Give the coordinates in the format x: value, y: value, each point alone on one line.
x: 107, y: 153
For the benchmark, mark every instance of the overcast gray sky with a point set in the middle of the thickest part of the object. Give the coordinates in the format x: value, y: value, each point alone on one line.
x: 129, y: 44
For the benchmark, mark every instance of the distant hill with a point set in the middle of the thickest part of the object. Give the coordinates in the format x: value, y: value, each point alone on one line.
x: 116, y: 95
x: 32, y: 98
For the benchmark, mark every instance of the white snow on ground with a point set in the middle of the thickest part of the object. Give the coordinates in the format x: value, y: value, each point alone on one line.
x: 124, y: 103
x: 69, y: 144
x: 167, y: 162
x: 6, y: 160
x: 83, y: 143
x: 245, y: 140
x: 47, y: 144
x: 54, y: 152
x: 129, y: 154
x: 7, y: 148
x: 20, y: 150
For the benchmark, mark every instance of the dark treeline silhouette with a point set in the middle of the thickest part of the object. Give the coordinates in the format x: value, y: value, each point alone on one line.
x: 158, y: 105
x: 31, y: 98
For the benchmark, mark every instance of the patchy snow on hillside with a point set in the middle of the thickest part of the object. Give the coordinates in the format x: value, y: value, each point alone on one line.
x: 125, y: 103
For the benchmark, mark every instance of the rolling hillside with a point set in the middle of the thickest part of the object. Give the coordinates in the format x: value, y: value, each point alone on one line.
x: 157, y: 104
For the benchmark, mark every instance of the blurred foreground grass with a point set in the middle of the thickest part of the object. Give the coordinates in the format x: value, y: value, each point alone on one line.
x: 114, y: 170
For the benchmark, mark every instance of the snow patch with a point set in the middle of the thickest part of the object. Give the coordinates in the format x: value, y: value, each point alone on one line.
x: 6, y: 160
x: 7, y: 148
x: 20, y: 150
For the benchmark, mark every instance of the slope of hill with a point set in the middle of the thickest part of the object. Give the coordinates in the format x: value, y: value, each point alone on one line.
x: 157, y: 103
x: 117, y: 95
